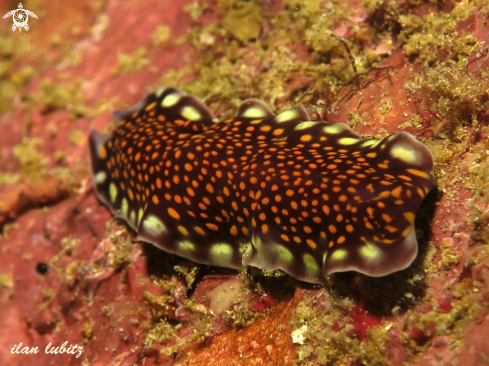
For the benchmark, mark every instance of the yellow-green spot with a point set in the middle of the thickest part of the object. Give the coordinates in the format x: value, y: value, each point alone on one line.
x: 133, y: 217
x: 371, y: 143
x: 100, y: 177
x: 348, y: 140
x: 222, y: 253
x: 191, y: 113
x: 286, y: 116
x: 186, y: 246
x: 334, y: 129
x: 339, y: 255
x: 113, y: 191
x: 304, y: 125
x: 312, y: 266
x: 125, y: 207
x: 140, y: 215
x: 370, y: 252
x: 284, y: 254
x: 153, y: 225
x: 254, y: 112
x: 403, y: 153
x: 170, y: 100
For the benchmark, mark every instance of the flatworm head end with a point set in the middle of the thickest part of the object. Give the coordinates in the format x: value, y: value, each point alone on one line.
x: 383, y: 237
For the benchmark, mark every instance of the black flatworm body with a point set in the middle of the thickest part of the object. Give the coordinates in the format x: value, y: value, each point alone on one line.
x: 270, y: 191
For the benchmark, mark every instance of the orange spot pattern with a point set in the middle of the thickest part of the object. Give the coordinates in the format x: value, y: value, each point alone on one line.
x: 255, y: 182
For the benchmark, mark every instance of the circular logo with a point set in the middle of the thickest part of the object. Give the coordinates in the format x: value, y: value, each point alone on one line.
x: 20, y: 18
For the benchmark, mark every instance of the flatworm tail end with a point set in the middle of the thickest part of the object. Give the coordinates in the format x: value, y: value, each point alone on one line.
x: 98, y: 169
x: 145, y: 174
x: 105, y: 183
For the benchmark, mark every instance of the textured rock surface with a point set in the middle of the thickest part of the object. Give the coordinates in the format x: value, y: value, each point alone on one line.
x: 420, y: 68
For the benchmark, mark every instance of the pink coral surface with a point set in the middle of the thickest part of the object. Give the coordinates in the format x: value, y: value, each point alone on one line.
x: 127, y: 303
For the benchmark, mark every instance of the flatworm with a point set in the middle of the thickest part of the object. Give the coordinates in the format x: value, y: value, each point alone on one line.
x: 264, y: 190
